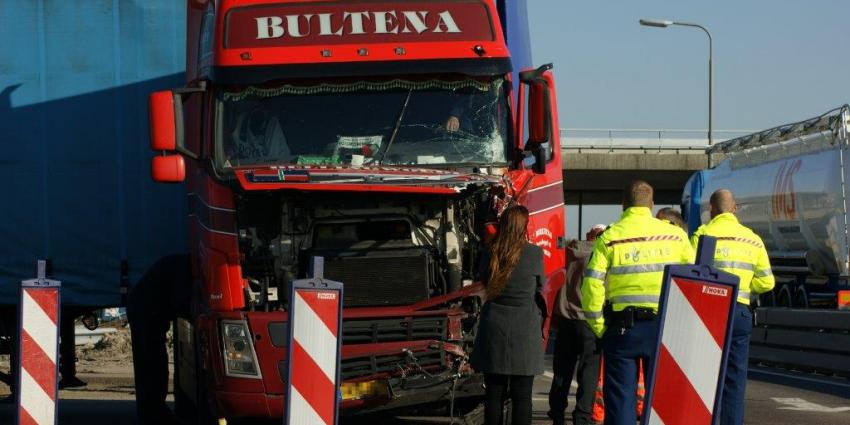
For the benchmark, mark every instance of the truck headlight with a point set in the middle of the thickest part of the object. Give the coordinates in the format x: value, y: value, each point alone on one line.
x: 240, y: 360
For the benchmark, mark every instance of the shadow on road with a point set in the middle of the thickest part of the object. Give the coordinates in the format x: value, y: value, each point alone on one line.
x: 83, y: 412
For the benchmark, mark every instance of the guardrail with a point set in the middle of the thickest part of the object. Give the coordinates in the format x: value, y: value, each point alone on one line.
x: 802, y: 340
x: 640, y: 139
x: 638, y: 145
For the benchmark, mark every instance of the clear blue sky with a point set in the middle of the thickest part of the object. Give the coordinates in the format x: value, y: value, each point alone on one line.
x: 774, y: 61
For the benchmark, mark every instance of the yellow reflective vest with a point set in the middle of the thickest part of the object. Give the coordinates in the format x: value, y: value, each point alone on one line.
x: 739, y: 251
x: 630, y: 256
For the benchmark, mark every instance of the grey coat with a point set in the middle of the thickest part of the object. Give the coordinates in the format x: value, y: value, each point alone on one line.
x: 510, y: 339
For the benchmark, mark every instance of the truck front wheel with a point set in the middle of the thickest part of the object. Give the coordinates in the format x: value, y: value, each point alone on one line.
x: 191, y: 399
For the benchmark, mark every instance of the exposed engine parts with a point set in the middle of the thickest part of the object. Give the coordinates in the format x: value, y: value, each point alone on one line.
x: 388, y: 249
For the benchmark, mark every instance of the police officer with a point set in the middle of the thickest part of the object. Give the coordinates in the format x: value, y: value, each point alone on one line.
x: 631, y: 255
x: 740, y: 252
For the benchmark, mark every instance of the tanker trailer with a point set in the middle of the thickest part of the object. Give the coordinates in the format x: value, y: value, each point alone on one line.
x: 790, y: 184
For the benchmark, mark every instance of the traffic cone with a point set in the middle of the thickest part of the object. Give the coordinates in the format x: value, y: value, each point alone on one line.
x: 641, y: 390
x: 599, y: 398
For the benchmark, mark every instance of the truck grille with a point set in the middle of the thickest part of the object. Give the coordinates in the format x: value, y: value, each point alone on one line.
x: 393, y: 330
x: 375, y: 331
x: 379, y: 331
x: 381, y: 277
x: 370, y: 365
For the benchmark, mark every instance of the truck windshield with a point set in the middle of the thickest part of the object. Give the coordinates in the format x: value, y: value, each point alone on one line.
x: 388, y: 122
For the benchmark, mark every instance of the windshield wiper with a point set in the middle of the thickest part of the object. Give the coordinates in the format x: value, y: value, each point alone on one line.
x: 379, y: 157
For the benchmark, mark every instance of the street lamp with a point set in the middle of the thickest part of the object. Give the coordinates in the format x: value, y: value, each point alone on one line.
x: 658, y: 23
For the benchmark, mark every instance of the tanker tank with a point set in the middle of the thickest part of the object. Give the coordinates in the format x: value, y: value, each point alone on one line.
x: 790, y: 185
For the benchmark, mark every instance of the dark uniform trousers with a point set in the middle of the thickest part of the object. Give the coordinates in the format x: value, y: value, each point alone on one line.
x: 621, y: 353
x: 735, y: 383
x: 574, y: 345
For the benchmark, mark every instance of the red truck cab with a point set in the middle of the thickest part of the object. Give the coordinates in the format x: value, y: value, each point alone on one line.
x: 379, y: 136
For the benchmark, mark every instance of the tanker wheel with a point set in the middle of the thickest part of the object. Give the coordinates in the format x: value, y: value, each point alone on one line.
x: 784, y: 298
x: 767, y: 299
x: 801, y: 298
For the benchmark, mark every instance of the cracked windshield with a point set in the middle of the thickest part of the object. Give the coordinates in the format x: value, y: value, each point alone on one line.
x: 395, y: 122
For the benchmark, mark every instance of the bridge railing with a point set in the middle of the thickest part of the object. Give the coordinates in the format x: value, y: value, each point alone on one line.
x: 641, y: 139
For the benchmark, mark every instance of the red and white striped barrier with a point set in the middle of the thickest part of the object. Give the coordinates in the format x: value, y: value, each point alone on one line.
x: 315, y: 320
x: 696, y: 310
x: 38, y: 338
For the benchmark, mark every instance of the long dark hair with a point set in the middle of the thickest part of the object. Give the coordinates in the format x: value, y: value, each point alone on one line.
x: 506, y: 248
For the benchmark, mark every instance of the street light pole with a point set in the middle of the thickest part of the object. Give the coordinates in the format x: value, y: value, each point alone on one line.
x: 664, y: 24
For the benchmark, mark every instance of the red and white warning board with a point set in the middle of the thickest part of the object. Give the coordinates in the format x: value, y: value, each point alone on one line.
x: 38, y: 339
x: 690, y: 357
x: 315, y: 319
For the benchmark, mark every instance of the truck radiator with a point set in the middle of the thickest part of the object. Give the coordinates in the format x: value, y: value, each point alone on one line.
x: 380, y: 277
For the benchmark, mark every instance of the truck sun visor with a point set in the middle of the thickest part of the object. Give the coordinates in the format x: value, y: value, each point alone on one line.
x: 331, y: 88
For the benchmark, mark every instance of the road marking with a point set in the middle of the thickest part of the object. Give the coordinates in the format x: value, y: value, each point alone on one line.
x: 807, y: 406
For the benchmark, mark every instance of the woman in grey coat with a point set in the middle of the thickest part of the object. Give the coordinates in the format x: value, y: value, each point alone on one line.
x: 509, y: 344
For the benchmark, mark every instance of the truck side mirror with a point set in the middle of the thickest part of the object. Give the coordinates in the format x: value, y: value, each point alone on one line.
x: 166, y: 132
x: 539, y: 117
x: 165, y: 112
x: 168, y: 169
x: 163, y: 121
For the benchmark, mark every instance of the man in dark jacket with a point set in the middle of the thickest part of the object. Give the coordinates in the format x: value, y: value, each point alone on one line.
x: 575, y: 342
x: 161, y: 295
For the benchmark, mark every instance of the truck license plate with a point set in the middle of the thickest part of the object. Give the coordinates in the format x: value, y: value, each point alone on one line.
x: 361, y: 390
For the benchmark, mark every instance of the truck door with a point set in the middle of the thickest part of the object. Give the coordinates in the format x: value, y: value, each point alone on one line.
x: 545, y: 193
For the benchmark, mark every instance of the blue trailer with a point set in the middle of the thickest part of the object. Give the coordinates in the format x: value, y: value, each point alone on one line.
x: 74, y: 161
x: 74, y: 147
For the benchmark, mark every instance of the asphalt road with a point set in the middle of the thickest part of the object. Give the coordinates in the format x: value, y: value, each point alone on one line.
x: 109, y: 400
x: 767, y: 403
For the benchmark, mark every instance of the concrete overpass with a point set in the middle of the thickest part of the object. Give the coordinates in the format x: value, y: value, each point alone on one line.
x: 598, y: 163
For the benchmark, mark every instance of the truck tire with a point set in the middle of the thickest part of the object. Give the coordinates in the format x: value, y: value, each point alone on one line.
x: 190, y: 413
x: 186, y: 409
